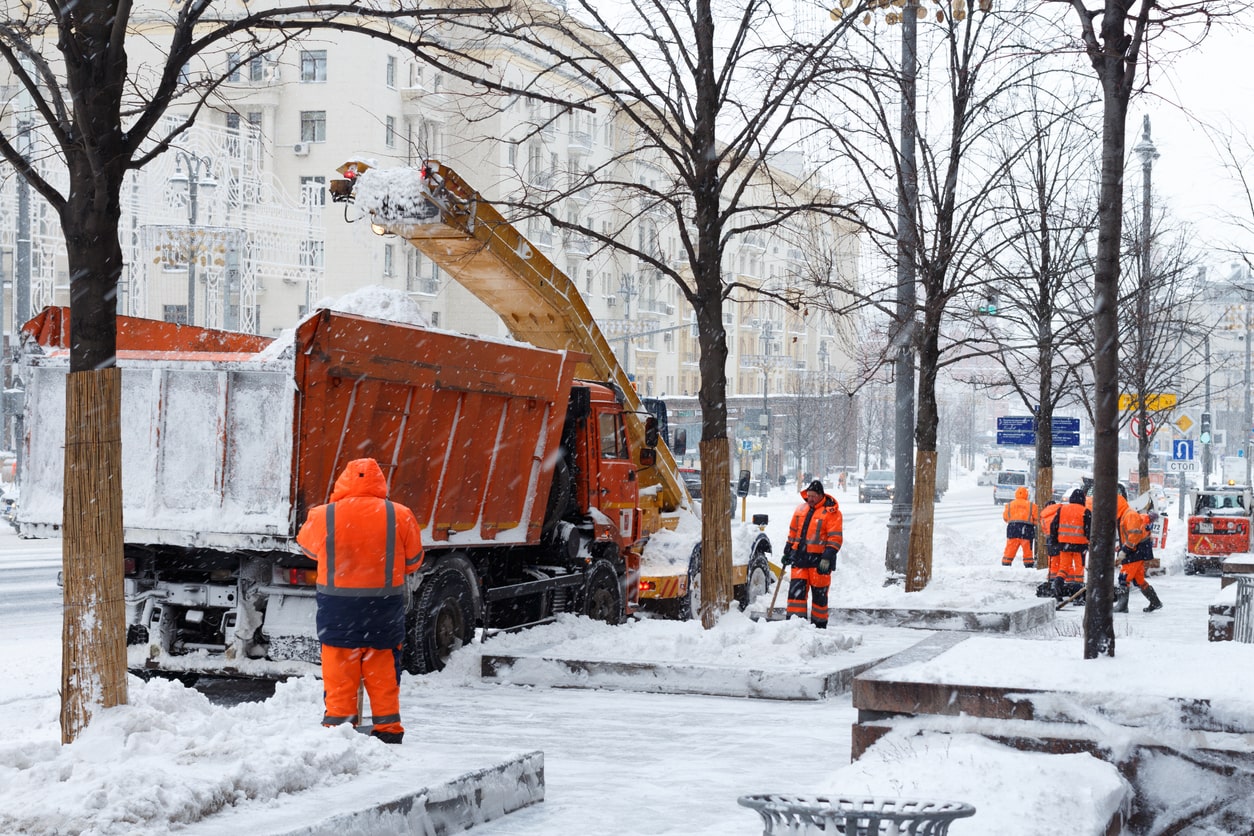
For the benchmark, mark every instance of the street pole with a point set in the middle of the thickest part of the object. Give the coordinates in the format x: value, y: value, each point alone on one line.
x: 1246, y: 430
x: 1148, y: 153
x: 899, y: 518
x: 1206, y: 445
x: 193, y: 176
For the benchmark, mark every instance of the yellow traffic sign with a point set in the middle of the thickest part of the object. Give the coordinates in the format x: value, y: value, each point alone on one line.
x: 1154, y: 402
x: 1183, y: 423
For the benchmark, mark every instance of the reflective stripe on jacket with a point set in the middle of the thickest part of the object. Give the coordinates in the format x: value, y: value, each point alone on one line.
x: 1133, y: 528
x: 364, y: 545
x: 815, y: 529
x: 1021, y: 516
x: 1071, y: 526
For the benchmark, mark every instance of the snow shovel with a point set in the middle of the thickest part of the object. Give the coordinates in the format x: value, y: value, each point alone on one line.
x: 770, y: 611
x: 1071, y: 598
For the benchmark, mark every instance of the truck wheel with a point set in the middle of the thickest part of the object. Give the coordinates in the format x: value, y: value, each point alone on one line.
x: 757, y: 582
x: 603, y: 593
x: 690, y: 604
x: 443, y: 621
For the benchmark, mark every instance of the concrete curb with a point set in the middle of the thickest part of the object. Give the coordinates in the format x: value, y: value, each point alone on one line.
x: 652, y: 678
x: 399, y: 802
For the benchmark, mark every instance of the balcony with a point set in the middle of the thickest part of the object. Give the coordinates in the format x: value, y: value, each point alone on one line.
x: 577, y: 244
x: 579, y: 144
x: 418, y: 101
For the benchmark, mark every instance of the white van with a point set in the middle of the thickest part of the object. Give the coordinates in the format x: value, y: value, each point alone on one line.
x: 1008, y: 481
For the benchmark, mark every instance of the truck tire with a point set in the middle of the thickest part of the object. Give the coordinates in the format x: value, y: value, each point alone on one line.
x: 442, y: 621
x: 603, y: 593
x: 758, y: 581
x: 690, y: 604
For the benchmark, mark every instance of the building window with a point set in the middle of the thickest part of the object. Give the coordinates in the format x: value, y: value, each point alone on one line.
x: 389, y: 260
x: 313, y: 126
x: 435, y: 319
x: 254, y: 118
x: 313, y: 191
x: 256, y: 68
x: 174, y: 313
x: 313, y: 65
x: 232, y: 121
x: 389, y: 138
x: 391, y: 77
x: 233, y: 72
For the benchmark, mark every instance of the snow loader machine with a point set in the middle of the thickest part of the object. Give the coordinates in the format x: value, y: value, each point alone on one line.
x: 437, y: 212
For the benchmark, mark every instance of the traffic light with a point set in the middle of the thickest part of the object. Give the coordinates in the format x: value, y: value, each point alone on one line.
x: 742, y: 485
x: 989, y: 307
x: 1204, y: 435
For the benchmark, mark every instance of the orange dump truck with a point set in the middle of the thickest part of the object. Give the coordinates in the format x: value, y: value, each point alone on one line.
x: 521, y: 475
x: 1219, y: 525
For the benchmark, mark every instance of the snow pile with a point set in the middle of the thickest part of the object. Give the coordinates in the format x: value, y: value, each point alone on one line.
x: 374, y: 301
x: 170, y: 757
x: 395, y: 195
x: 736, y: 641
x: 994, y: 779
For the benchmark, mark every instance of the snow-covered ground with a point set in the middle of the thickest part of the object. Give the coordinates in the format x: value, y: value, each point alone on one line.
x: 615, y: 762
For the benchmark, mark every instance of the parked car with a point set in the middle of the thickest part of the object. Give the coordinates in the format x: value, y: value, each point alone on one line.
x: 876, y: 484
x: 1008, y: 481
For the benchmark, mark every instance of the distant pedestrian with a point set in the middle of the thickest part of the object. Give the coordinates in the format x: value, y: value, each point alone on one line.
x: 814, y: 539
x: 1136, y: 547
x: 365, y: 547
x: 840, y: 481
x: 1021, y: 517
x: 1071, y: 529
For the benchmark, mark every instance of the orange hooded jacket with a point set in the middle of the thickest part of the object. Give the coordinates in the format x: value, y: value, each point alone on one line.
x: 365, y: 545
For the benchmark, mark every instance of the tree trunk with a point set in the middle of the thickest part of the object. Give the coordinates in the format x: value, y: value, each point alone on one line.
x: 919, y: 570
x: 1099, y: 633
x: 716, y: 575
x: 93, y: 657
x: 1044, y: 494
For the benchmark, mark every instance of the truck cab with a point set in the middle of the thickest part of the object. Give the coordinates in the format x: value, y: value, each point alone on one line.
x: 1219, y: 525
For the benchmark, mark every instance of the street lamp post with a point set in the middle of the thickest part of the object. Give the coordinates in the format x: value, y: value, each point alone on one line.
x: 195, y: 164
x: 1148, y: 153
x: 766, y: 407
x: 899, y: 518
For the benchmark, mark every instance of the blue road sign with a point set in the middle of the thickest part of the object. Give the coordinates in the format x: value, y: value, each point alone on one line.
x: 1065, y: 439
x: 1016, y: 437
x: 1017, y: 423
x: 1068, y: 425
x: 1182, y: 450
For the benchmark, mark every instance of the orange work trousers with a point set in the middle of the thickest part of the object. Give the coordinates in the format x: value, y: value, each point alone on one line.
x: 344, y: 668
x: 808, y: 582
x: 1014, y: 545
x: 1069, y: 567
x: 1134, y: 572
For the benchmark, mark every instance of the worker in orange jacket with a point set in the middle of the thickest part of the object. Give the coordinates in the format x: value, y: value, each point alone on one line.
x: 1071, y: 529
x: 814, y: 539
x: 1021, y: 516
x: 1048, y: 514
x: 1136, y: 547
x: 365, y: 546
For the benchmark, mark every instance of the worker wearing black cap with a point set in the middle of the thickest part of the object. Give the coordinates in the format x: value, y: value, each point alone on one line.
x: 814, y: 538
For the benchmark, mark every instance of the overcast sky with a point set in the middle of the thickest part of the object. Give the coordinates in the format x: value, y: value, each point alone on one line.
x: 1214, y: 83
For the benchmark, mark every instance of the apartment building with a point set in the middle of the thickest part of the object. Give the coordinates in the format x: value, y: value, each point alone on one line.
x: 281, y: 124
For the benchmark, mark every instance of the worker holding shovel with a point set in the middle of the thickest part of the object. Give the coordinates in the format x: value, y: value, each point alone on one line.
x: 814, y: 538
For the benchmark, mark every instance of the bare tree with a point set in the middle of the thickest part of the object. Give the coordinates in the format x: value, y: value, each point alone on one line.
x: 979, y: 66
x: 713, y: 93
x: 1045, y: 218
x: 1115, y: 34
x: 106, y: 116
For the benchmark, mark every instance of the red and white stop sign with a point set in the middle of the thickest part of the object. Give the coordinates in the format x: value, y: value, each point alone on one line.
x: 1146, y: 431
